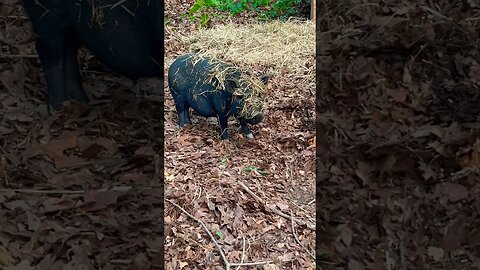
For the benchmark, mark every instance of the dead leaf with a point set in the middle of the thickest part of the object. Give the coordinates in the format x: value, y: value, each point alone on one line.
x: 347, y: 235
x: 182, y: 264
x: 110, y: 145
x: 141, y: 262
x: 270, y: 266
x: 145, y: 151
x: 407, y: 77
x: 436, y: 253
x: 455, y: 235
x: 5, y: 257
x: 282, y: 206
x: 14, y: 81
x: 355, y: 265
x: 33, y: 222
x: 286, y: 257
x: 96, y: 200
x: 23, y: 265
x: 456, y: 192
x: 399, y: 94
x: 56, y: 149
x: 57, y: 204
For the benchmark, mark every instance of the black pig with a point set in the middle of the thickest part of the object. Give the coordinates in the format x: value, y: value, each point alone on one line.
x: 127, y: 36
x: 215, y: 89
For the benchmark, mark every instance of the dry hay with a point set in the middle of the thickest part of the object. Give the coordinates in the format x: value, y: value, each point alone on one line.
x: 247, y: 87
x: 286, y: 48
x: 253, y: 92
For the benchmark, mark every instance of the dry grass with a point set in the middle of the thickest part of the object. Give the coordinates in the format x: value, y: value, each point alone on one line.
x: 284, y: 48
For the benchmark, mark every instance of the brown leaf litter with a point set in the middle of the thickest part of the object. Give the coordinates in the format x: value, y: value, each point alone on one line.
x: 398, y: 110
x: 238, y: 197
x: 79, y: 189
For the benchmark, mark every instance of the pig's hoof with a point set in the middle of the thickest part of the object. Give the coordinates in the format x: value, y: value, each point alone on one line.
x: 184, y: 125
x: 249, y: 136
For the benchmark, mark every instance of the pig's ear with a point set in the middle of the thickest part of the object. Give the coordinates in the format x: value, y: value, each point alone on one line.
x: 265, y: 79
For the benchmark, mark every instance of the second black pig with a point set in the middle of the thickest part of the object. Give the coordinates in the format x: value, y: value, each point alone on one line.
x: 216, y: 89
x: 127, y: 36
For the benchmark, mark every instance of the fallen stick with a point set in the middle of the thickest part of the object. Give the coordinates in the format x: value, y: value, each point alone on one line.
x: 276, y: 211
x: 6, y: 56
x: 43, y: 191
x: 225, y: 261
x: 64, y: 191
x: 204, y: 227
x: 243, y: 253
x: 298, y: 240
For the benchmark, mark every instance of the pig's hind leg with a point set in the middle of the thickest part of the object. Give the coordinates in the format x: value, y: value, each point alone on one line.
x: 183, y: 116
x: 59, y: 59
x: 181, y: 105
x: 223, y: 122
x: 73, y: 82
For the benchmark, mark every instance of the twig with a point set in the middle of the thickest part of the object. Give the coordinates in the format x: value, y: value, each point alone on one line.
x: 250, y: 263
x: 304, y: 210
x: 296, y: 237
x: 121, y: 261
x: 63, y: 191
x: 118, y: 3
x: 441, y: 16
x: 6, y: 178
x: 128, y: 10
x: 386, y: 23
x: 326, y: 262
x: 43, y: 191
x: 276, y: 211
x: 361, y: 5
x: 403, y: 256
x: 436, y: 13
x: 175, y: 35
x: 205, y: 228
x: 225, y: 261
x: 474, y: 18
x: 44, y: 8
x: 243, y: 252
x: 30, y: 56
x: 14, y: 17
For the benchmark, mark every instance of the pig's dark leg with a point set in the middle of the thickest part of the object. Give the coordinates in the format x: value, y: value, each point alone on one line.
x: 72, y: 73
x: 183, y: 116
x: 245, y: 130
x: 223, y: 122
x: 181, y: 105
x: 52, y: 54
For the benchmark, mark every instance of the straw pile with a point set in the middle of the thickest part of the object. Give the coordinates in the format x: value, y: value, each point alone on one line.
x: 285, y: 48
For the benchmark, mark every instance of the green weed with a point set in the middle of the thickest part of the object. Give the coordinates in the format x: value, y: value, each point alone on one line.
x: 265, y: 9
